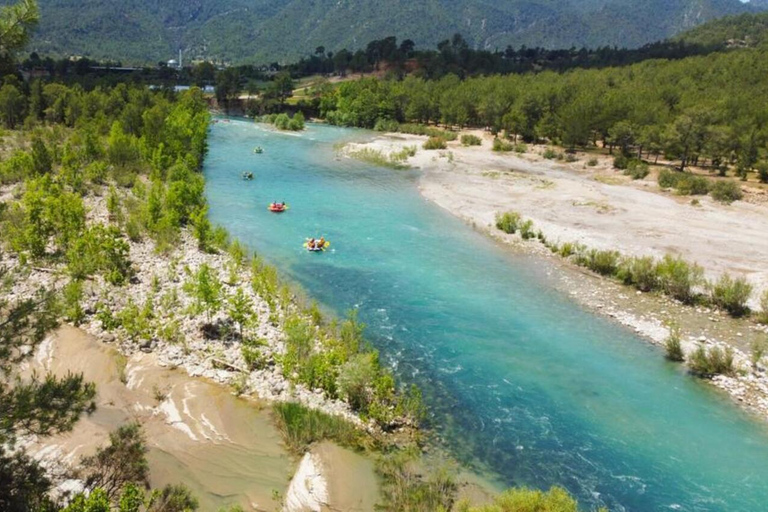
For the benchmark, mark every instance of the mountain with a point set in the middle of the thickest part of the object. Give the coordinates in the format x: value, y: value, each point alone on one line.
x: 743, y: 30
x: 268, y: 30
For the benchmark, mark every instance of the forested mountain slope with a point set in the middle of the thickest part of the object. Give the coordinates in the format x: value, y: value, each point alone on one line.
x: 264, y: 30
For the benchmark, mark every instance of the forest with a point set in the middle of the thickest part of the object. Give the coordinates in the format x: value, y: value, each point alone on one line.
x: 698, y: 110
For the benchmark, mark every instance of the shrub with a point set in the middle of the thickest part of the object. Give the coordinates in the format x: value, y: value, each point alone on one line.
x: 708, y: 363
x: 604, y: 263
x: 668, y: 179
x: 551, y: 154
x: 406, y: 485
x: 731, y: 294
x: 592, y: 162
x: 502, y: 146
x: 470, y: 140
x: 756, y: 353
x: 726, y: 191
x: 674, y: 351
x: 521, y: 148
x: 678, y: 278
x: 386, y: 125
x: 570, y: 158
x: 508, y: 222
x: 620, y: 162
x: 435, y: 143
x: 567, y: 250
x: 639, y: 272
x: 301, y: 426
x: 526, y: 229
x: 521, y: 499
x: 762, y: 172
x: 691, y: 185
x: 637, y: 169
x: 762, y: 316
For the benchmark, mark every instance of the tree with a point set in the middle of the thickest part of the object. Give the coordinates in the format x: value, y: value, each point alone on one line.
x: 40, y: 406
x: 281, y: 87
x: 16, y: 23
x: 123, y: 462
x: 41, y: 157
x: 205, y: 288
x: 13, y: 104
x: 227, y: 86
x: 241, y: 309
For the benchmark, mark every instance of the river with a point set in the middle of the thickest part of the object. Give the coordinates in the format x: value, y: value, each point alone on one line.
x: 522, y: 382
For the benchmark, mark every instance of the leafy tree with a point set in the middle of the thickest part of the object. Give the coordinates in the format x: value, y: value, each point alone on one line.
x: 240, y: 309
x: 16, y: 24
x: 13, y: 104
x: 205, y: 288
x: 120, y: 463
x: 41, y: 157
x: 35, y: 405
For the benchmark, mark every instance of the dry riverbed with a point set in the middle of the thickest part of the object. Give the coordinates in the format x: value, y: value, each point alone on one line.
x: 599, y: 207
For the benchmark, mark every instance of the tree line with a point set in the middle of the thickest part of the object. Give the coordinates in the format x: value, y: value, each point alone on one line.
x: 701, y: 110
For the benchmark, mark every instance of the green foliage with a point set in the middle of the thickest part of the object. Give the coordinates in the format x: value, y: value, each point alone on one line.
x: 406, y: 486
x: 285, y: 122
x: 605, y: 263
x: 731, y: 294
x: 72, y: 296
x: 522, y: 499
x: 102, y: 250
x: 435, y: 143
x: 377, y: 157
x: 756, y: 352
x: 674, y: 350
x: 636, y: 169
x: 471, y: 140
x: 526, y: 229
x: 429, y: 131
x: 502, y: 146
x: 678, y: 278
x: 762, y: 315
x: 301, y: 427
x: 715, y: 361
x: 508, y: 222
x: 172, y: 498
x: 727, y: 191
x: 205, y: 288
x: 97, y: 501
x: 386, y: 125
x: 120, y: 463
x: 240, y: 310
x: 639, y: 272
x: 592, y: 162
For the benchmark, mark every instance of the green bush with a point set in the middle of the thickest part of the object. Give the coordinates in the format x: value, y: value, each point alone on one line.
x: 604, y: 263
x: 762, y: 315
x: 301, y: 426
x: 708, y: 363
x: 674, y: 350
x: 692, y: 185
x: 637, y: 169
x: 726, y: 191
x: 470, y: 140
x: 520, y: 148
x: 526, y: 230
x: 731, y: 294
x: 521, y: 499
x: 668, y: 179
x: 508, y: 222
x: 639, y: 272
x: 592, y: 162
x: 502, y: 146
x: 551, y: 154
x: 429, y: 131
x: 386, y: 125
x: 678, y: 278
x: 435, y: 143
x: 620, y: 162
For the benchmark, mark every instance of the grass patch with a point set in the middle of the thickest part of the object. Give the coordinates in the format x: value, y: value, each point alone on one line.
x: 508, y: 222
x: 301, y: 427
x: 471, y: 140
x: 435, y: 143
x: 378, y: 157
x: 502, y: 146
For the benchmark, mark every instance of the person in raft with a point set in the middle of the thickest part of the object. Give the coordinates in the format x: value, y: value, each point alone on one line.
x: 311, y: 244
x: 321, y: 242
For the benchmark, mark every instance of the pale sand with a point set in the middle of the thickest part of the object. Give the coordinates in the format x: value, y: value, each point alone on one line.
x: 569, y: 204
x: 224, y: 448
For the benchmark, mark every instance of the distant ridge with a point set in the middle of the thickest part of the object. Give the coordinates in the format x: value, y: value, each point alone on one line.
x: 260, y: 31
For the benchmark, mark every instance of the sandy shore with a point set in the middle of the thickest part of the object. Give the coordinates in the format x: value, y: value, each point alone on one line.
x: 601, y: 208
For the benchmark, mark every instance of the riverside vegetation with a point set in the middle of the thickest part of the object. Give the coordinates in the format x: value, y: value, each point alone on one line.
x: 103, y: 223
x: 670, y: 275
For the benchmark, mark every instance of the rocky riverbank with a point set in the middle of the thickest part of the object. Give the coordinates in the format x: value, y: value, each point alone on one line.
x: 580, y: 205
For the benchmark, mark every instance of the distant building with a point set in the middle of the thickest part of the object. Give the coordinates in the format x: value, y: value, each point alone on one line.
x: 173, y: 63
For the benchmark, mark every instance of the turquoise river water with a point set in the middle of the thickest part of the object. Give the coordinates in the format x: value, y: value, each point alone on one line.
x: 521, y: 381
